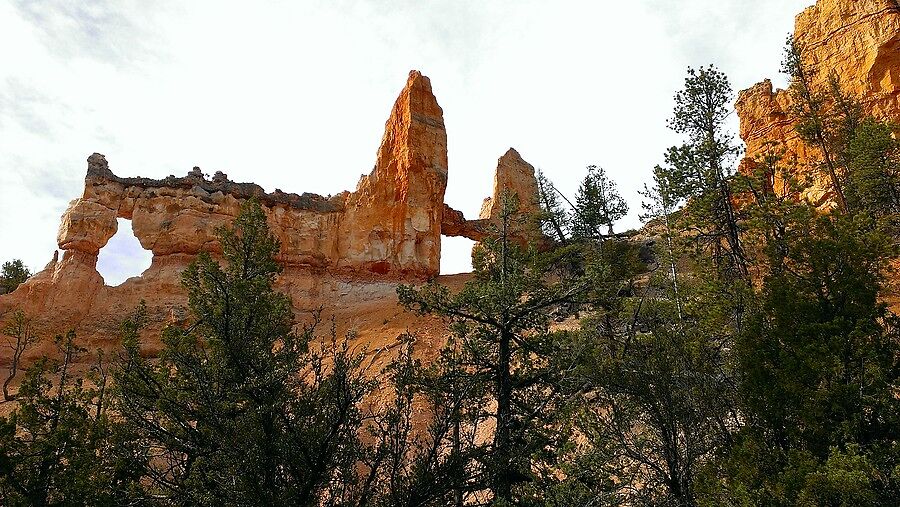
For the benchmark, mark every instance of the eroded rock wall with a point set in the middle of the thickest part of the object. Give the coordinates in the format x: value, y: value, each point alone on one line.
x: 392, y: 222
x: 338, y: 252
x: 858, y: 40
x: 390, y: 225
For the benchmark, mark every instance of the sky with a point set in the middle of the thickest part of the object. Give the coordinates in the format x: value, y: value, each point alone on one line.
x: 294, y: 94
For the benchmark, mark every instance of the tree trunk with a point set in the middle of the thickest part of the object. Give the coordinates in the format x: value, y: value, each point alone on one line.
x: 13, y: 369
x: 832, y: 172
x: 502, y: 487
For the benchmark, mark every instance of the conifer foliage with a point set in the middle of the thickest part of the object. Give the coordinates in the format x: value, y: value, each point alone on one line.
x: 241, y: 409
x: 503, y: 348
x: 13, y: 274
x: 598, y: 205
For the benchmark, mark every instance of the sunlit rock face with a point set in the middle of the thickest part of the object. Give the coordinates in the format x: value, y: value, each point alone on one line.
x: 344, y: 253
x: 858, y: 40
x: 516, y: 178
x: 390, y: 225
x: 392, y: 222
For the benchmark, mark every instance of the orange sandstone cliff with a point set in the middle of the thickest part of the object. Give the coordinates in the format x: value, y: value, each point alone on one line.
x: 344, y: 254
x: 859, y: 40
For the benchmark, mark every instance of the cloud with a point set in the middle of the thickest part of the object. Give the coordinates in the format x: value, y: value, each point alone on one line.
x: 103, y: 30
x: 25, y: 106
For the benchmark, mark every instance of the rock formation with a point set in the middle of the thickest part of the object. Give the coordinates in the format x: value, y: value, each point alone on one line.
x: 857, y: 39
x: 454, y: 223
x: 514, y: 179
x: 392, y: 223
x: 345, y: 253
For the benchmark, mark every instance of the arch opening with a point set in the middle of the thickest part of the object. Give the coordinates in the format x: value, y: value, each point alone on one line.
x: 123, y: 256
x: 456, y: 255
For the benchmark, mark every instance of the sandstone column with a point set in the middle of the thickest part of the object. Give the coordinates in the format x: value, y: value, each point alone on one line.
x: 392, y: 223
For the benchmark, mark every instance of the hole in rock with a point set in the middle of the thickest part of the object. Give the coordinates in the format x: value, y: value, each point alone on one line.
x: 456, y: 255
x: 123, y: 257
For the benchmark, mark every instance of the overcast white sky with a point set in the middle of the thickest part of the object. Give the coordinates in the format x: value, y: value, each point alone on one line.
x: 294, y: 94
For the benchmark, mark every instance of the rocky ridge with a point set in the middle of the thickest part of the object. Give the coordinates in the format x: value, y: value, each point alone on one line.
x: 344, y: 253
x: 859, y: 40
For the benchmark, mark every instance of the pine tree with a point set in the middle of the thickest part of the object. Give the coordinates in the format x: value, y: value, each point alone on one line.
x: 554, y: 217
x: 660, y: 399
x: 859, y: 153
x: 56, y: 447
x: 502, y: 344
x: 13, y: 274
x: 660, y: 207
x: 815, y: 121
x: 873, y: 158
x: 820, y: 372
x: 240, y: 409
x: 598, y: 204
x: 700, y: 171
x: 427, y: 444
x: 20, y: 337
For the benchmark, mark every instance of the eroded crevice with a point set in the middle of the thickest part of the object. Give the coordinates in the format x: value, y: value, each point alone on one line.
x: 885, y: 73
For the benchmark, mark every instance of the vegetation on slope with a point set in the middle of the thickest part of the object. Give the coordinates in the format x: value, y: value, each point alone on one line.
x: 747, y: 361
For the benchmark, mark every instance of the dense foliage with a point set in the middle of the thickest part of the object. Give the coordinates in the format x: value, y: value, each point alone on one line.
x: 598, y: 205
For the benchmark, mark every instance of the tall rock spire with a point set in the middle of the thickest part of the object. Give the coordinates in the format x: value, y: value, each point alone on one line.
x: 393, y: 219
x: 515, y: 178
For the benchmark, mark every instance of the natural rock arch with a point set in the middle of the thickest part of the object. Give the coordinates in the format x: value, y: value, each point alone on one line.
x: 337, y: 248
x: 123, y: 257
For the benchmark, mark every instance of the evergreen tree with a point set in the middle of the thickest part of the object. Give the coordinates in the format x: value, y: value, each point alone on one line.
x: 554, y: 217
x: 700, y: 171
x: 56, y: 446
x: 598, y: 204
x: 873, y: 157
x: 859, y: 154
x: 20, y: 337
x: 427, y: 447
x: 819, y: 369
x: 742, y: 356
x: 816, y: 124
x: 660, y: 390
x: 659, y: 208
x: 12, y: 274
x: 661, y: 387
x: 501, y: 347
x: 240, y: 409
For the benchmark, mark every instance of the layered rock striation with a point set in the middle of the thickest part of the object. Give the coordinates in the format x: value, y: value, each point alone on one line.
x: 391, y: 224
x: 514, y: 179
x: 856, y: 40
x: 336, y: 251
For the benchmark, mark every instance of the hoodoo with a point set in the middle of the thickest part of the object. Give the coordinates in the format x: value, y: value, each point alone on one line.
x: 349, y: 248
